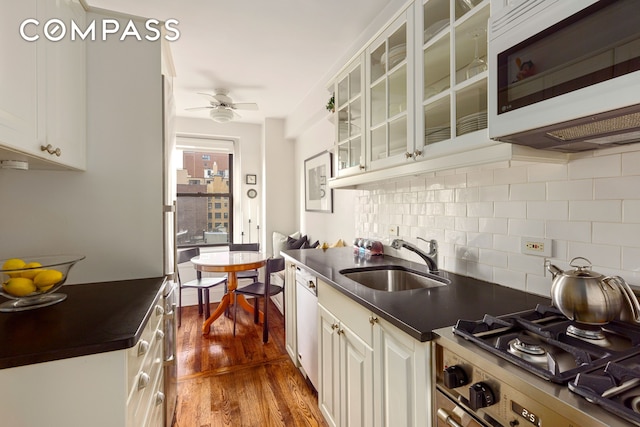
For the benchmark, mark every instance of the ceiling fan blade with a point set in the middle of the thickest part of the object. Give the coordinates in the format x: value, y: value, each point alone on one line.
x: 206, y: 94
x: 245, y: 105
x: 198, y: 108
x: 236, y: 115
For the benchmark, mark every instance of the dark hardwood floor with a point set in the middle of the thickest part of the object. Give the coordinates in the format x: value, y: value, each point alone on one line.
x: 239, y: 381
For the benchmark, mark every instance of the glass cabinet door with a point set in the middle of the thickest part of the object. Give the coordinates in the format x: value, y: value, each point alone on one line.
x: 390, y: 71
x: 349, y: 109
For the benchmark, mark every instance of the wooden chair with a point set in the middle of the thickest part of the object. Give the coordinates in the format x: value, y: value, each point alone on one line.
x: 203, y: 285
x: 262, y: 289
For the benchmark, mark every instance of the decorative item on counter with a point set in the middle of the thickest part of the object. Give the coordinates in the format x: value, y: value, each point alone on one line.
x: 30, y: 282
x: 366, y: 248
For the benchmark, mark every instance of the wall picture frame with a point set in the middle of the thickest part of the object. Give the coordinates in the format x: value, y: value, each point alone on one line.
x: 317, y: 171
x: 251, y: 179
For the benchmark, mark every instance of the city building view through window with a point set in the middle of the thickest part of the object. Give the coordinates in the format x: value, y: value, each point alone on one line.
x: 204, y: 198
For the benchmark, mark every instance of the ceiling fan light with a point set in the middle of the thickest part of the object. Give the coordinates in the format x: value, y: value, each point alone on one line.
x: 221, y: 115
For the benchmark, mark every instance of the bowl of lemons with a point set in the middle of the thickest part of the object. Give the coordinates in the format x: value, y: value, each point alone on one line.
x: 31, y: 282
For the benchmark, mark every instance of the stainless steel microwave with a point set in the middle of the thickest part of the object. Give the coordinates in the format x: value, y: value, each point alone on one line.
x: 565, y: 74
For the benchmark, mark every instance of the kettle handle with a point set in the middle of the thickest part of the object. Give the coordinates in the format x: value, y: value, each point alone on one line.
x: 628, y: 295
x: 581, y: 267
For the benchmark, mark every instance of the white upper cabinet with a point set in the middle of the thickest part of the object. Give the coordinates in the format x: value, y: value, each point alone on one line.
x: 349, y: 109
x: 43, y: 89
x: 389, y: 83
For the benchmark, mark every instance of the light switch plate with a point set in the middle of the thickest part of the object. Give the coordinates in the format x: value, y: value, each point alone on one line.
x: 536, y: 246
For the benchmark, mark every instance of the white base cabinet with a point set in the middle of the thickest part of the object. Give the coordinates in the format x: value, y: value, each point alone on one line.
x: 121, y: 388
x: 290, y: 316
x: 371, y: 373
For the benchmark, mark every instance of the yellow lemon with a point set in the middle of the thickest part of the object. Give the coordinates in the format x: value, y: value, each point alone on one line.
x: 19, y: 286
x: 13, y: 264
x: 33, y: 272
x: 47, y: 278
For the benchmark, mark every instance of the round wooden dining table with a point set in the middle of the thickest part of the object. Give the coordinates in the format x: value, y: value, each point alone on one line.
x: 230, y: 263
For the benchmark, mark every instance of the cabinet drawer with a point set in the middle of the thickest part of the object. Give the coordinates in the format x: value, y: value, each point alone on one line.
x: 352, y: 314
x: 136, y: 355
x: 142, y: 397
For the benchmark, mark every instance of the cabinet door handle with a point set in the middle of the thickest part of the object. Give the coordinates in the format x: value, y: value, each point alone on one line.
x: 408, y: 155
x: 159, y: 398
x: 143, y: 347
x: 49, y: 149
x: 340, y: 331
x: 160, y: 334
x: 311, y: 284
x: 144, y: 380
x: 159, y: 310
x: 373, y: 320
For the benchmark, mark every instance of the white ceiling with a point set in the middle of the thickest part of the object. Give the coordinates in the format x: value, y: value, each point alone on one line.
x: 272, y: 52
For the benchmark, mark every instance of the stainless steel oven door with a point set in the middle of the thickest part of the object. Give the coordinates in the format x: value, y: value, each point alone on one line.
x: 450, y: 414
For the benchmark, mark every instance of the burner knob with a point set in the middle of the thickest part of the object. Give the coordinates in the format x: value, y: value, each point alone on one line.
x: 454, y: 376
x: 480, y: 396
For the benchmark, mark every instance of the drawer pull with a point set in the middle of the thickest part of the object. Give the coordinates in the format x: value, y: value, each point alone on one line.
x: 159, y: 310
x: 311, y: 284
x: 159, y: 398
x: 159, y: 334
x: 144, y: 380
x: 143, y: 347
x: 448, y: 419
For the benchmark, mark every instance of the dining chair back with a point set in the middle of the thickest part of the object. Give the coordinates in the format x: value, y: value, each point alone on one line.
x: 201, y: 284
x: 265, y: 290
x: 245, y: 247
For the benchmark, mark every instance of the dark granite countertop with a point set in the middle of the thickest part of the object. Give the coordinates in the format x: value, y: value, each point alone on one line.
x: 416, y: 312
x: 95, y: 318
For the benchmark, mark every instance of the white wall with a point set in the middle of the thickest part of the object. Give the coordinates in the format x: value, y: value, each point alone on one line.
x: 112, y: 213
x: 589, y: 207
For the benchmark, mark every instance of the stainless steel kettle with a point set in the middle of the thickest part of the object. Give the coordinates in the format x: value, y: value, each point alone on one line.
x: 589, y: 297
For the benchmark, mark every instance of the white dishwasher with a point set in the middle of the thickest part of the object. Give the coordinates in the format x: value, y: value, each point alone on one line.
x: 307, y: 323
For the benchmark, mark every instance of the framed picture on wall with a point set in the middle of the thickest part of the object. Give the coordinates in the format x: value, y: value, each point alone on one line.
x: 317, y: 194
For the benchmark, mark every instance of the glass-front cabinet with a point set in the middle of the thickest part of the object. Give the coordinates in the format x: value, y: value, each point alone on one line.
x: 453, y: 72
x: 389, y: 75
x: 349, y: 109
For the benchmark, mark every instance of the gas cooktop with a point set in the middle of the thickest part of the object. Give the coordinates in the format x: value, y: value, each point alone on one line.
x: 544, y: 342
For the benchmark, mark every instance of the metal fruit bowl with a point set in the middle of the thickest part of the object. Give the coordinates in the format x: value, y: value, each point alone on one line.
x: 31, y: 282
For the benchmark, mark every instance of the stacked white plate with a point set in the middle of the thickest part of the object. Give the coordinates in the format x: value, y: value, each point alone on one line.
x: 471, y: 123
x: 395, y: 55
x: 437, y: 133
x: 434, y: 29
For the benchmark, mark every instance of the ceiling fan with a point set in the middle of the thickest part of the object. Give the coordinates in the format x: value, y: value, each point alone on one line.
x: 222, y: 106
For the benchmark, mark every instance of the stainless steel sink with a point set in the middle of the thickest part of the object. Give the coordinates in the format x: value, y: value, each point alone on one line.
x: 393, y: 278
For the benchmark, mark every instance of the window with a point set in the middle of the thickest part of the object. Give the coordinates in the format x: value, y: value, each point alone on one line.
x: 204, y: 198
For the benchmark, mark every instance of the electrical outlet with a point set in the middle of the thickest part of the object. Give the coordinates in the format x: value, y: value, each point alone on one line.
x: 536, y: 246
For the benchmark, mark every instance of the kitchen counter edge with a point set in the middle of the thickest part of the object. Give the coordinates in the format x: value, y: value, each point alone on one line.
x: 415, y: 312
x: 95, y: 318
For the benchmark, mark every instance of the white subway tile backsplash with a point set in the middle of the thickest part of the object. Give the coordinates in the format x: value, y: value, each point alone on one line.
x: 631, y: 259
x: 595, y: 210
x: 494, y: 193
x: 567, y: 230
x: 617, y: 234
x: 570, y: 190
x: 589, y: 207
x: 627, y: 187
x: 631, y: 163
x: 597, y: 254
x: 526, y: 227
x: 594, y: 167
x: 547, y: 172
x: 510, y: 209
x: 531, y: 191
x: 480, y: 209
x: 631, y: 211
x: 513, y: 175
x: 493, y: 225
x: 558, y: 210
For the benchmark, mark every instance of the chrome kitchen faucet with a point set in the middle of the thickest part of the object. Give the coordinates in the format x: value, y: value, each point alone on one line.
x: 430, y: 258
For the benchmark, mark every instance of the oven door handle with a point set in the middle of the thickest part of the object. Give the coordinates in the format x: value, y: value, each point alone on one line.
x: 444, y: 416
